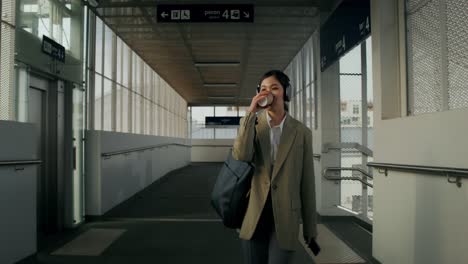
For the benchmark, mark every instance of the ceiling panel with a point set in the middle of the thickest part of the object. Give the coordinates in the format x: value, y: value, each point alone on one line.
x: 280, y: 29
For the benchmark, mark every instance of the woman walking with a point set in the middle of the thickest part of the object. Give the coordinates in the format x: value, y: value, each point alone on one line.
x: 283, y: 189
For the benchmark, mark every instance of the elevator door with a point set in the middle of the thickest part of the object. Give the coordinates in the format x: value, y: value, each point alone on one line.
x: 46, y: 110
x: 37, y: 116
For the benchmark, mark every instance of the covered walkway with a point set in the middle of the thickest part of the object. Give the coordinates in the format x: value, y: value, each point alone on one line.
x: 172, y: 221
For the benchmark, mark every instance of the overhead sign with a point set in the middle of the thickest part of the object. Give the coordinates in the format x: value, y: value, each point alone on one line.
x: 53, y: 49
x: 347, y: 27
x: 222, y: 121
x: 205, y: 13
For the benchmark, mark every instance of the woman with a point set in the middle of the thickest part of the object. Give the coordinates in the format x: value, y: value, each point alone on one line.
x: 283, y: 188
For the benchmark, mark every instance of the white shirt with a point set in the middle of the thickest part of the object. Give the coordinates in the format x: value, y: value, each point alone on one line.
x: 273, y: 154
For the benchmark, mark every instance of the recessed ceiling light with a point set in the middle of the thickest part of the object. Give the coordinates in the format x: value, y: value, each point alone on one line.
x: 220, y: 84
x: 217, y: 64
x: 221, y: 97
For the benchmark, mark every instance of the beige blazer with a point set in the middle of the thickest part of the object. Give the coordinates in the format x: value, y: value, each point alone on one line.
x: 292, y: 182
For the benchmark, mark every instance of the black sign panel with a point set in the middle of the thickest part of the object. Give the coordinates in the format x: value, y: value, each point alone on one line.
x: 347, y: 27
x: 53, y: 49
x: 205, y: 13
x: 222, y: 120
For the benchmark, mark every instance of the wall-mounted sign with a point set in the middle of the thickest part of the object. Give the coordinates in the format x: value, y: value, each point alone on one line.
x: 222, y: 121
x: 347, y: 27
x: 53, y: 49
x: 205, y: 13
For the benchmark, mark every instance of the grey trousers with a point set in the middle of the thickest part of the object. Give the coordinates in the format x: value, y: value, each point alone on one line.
x: 265, y: 251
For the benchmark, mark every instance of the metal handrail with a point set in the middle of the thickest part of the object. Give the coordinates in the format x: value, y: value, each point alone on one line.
x: 347, y: 145
x: 348, y: 179
x: 458, y: 173
x: 201, y: 145
x: 364, y: 173
x: 19, y: 162
x: 108, y: 154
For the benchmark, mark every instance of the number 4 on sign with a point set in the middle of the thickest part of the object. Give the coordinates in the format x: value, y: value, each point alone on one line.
x: 226, y: 14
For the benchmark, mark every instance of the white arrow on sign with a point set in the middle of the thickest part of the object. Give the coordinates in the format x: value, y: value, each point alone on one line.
x: 246, y: 14
x: 164, y: 14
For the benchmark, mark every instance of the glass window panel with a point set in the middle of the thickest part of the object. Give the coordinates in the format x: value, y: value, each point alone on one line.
x: 118, y: 109
x: 351, y: 62
x: 139, y: 114
x: 160, y: 121
x: 166, y: 96
x: 226, y: 133
x: 299, y: 106
x: 108, y: 52
x: 168, y: 123
x: 311, y: 60
x: 144, y: 88
x: 148, y: 122
x: 119, y: 62
x: 136, y: 113
x: 98, y: 102
x: 134, y: 72
x: 226, y: 111
x: 156, y: 120
x: 351, y: 126
x: 308, y: 107
x: 56, y: 25
x: 108, y: 113
x: 138, y: 76
x: 350, y: 89
x: 370, y: 95
x: 162, y: 93
x: 171, y: 124
x: 199, y: 113
x: 66, y: 30
x: 125, y: 62
x: 370, y: 120
x: 198, y: 122
x: 149, y: 83
x: 98, y: 46
x: 156, y: 88
x: 141, y: 110
x: 173, y: 101
x: 306, y: 58
x: 125, y: 101
x: 43, y: 17
x: 163, y: 122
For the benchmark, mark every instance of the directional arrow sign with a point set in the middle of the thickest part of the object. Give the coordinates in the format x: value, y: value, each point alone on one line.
x: 205, y: 13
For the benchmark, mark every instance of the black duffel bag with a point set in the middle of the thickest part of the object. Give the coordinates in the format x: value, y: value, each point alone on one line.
x: 230, y: 193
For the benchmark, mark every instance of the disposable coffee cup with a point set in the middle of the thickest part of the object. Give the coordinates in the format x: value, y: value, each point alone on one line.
x: 267, y: 100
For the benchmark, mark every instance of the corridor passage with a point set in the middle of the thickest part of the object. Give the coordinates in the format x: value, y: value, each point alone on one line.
x: 173, y: 222
x: 170, y: 222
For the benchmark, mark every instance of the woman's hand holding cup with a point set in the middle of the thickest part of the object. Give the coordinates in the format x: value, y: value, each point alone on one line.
x: 260, y: 101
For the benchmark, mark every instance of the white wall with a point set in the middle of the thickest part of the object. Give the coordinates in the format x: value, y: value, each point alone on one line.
x: 112, y: 180
x: 17, y: 192
x: 210, y: 150
x: 418, y: 218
